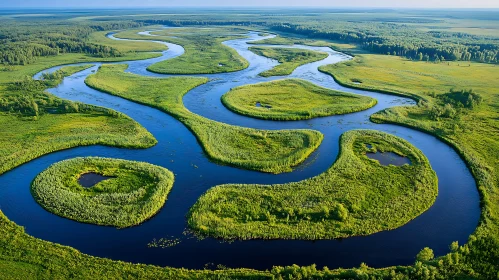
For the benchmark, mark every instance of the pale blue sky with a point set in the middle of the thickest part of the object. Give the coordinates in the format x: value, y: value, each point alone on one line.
x: 285, y: 3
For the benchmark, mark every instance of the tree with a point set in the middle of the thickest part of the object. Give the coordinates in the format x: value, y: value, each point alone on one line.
x: 449, y: 111
x: 425, y: 255
x: 325, y: 211
x: 340, y: 212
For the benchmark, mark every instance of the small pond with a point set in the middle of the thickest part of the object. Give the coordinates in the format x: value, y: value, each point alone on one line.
x: 258, y: 104
x: 389, y: 158
x: 91, y: 179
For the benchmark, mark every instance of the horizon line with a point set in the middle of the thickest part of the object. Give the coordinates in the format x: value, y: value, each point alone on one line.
x: 249, y: 6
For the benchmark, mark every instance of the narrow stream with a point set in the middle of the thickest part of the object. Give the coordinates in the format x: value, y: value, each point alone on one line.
x: 453, y: 217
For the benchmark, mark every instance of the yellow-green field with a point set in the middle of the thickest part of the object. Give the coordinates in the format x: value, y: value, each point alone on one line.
x: 288, y: 58
x: 125, y: 46
x: 280, y: 40
x: 292, y: 99
x: 204, y: 51
x: 396, y: 74
x: 473, y: 131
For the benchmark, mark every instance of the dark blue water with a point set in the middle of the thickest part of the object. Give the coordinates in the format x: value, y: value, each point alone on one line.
x: 389, y: 158
x: 454, y: 215
x: 91, y: 179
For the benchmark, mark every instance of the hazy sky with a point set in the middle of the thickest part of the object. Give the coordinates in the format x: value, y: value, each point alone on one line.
x: 286, y: 3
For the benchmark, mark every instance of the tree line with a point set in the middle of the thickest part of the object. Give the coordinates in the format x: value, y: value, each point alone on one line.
x: 374, y: 36
x: 21, y: 43
x: 392, y: 39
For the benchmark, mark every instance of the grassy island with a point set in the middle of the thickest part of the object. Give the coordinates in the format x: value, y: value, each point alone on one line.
x: 356, y: 196
x: 292, y: 99
x: 204, y: 51
x: 134, y: 192
x: 262, y: 150
x: 280, y: 40
x: 457, y: 102
x: 289, y: 58
x: 125, y: 47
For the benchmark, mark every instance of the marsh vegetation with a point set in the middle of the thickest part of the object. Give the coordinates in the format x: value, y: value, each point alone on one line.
x: 262, y: 150
x: 204, y: 51
x: 34, y: 122
x: 280, y: 40
x: 135, y: 193
x: 288, y: 58
x: 125, y: 47
x: 356, y: 196
x: 30, y: 44
x: 292, y: 99
x: 456, y: 102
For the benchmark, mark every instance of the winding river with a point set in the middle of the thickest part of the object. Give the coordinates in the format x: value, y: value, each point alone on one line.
x: 454, y: 216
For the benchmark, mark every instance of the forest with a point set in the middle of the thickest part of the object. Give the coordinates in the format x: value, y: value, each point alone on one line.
x: 373, y: 34
x: 390, y: 35
x: 21, y: 44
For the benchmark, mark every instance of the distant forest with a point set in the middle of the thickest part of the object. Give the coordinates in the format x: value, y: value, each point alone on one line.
x: 382, y: 38
x: 21, y: 41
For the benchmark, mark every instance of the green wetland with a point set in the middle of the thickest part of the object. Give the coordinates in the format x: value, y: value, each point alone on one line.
x: 133, y: 192
x: 262, y: 150
x: 459, y: 247
x: 193, y: 168
x: 288, y: 58
x: 292, y: 99
x: 340, y: 202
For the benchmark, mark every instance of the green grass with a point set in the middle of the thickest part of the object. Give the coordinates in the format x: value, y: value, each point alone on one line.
x: 414, y: 78
x: 25, y: 139
x: 471, y: 131
x: 292, y: 99
x: 9, y: 74
x: 290, y: 59
x: 136, y: 192
x: 56, y: 77
x: 356, y: 196
x: 58, y: 124
x: 204, y: 52
x: 26, y: 257
x: 262, y: 150
x: 125, y: 46
x: 279, y: 40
